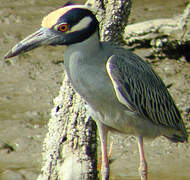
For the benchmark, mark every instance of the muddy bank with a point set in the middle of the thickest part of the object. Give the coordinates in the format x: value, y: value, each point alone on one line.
x: 29, y: 83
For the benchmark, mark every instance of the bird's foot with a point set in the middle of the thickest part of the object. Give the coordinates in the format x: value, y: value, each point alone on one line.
x: 110, y: 151
x: 103, y: 169
x: 105, y: 173
x: 143, y: 170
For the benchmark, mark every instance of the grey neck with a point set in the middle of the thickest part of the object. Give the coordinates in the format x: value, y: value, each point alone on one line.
x: 91, y: 44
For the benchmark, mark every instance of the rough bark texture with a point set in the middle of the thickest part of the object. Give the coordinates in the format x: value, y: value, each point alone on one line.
x: 70, y: 144
x: 169, y: 37
x: 113, y: 15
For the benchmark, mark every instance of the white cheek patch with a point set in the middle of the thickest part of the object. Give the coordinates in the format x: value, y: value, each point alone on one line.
x: 82, y: 24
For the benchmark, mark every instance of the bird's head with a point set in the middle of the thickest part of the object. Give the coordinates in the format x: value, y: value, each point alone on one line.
x: 64, y: 26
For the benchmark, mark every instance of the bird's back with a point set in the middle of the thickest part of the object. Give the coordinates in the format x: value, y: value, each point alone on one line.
x: 140, y: 86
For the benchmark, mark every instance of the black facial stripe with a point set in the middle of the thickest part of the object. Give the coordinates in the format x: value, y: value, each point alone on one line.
x: 79, y: 36
x: 73, y: 16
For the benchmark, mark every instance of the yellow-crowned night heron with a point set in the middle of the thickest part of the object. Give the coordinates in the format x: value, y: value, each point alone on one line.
x: 123, y: 91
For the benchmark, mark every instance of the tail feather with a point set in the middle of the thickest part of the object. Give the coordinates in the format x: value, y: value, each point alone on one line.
x: 176, y: 138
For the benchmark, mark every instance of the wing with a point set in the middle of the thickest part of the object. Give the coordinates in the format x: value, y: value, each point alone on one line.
x: 139, y: 88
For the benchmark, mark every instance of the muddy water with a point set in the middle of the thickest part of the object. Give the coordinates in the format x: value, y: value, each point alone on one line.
x: 29, y: 83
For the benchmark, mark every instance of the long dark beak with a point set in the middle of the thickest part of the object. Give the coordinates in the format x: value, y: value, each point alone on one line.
x: 41, y: 37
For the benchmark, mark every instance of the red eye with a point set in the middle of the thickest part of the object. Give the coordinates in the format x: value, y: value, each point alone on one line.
x: 63, y: 27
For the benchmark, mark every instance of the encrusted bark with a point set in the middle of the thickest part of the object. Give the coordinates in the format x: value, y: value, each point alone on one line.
x: 113, y: 15
x: 70, y: 144
x: 169, y: 37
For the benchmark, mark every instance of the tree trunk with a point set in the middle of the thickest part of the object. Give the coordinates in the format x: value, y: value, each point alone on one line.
x: 70, y: 144
x: 113, y: 17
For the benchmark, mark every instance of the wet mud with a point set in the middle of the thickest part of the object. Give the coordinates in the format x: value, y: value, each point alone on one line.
x: 29, y: 82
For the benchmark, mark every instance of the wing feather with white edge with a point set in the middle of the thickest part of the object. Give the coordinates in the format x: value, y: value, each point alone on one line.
x: 139, y: 88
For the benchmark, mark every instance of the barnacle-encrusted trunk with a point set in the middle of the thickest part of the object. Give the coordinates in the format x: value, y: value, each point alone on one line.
x: 113, y: 17
x: 70, y: 144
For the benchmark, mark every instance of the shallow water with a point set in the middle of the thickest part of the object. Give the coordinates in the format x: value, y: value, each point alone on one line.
x: 29, y: 83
